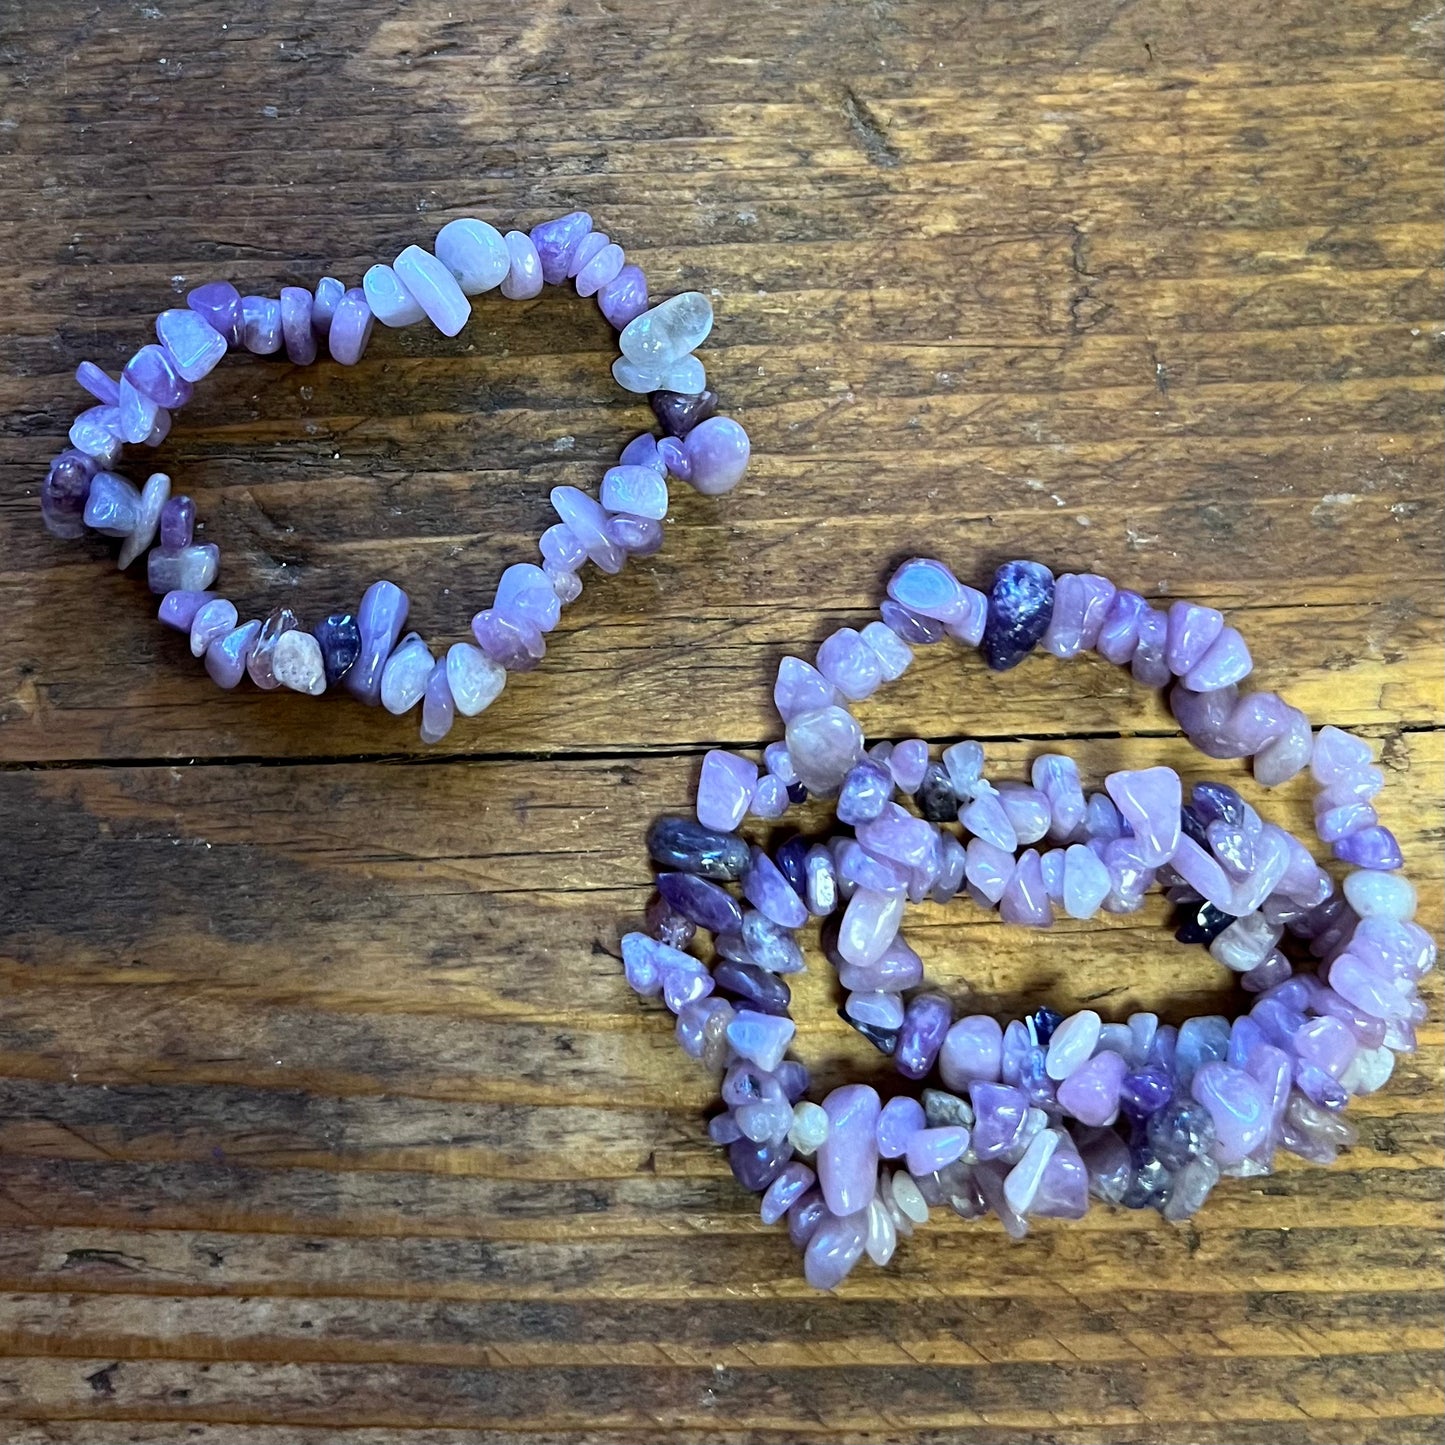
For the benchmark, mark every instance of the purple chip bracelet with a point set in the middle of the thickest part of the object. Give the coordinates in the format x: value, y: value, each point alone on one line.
x: 366, y: 649
x: 1027, y: 1121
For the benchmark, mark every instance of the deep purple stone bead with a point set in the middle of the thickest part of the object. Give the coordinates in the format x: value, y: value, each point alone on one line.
x: 685, y: 846
x: 340, y: 638
x: 1020, y: 605
x: 64, y: 492
x: 1374, y: 847
x: 1145, y: 1091
x: 926, y: 1022
x: 756, y: 1166
x: 707, y: 905
x: 379, y: 618
x: 152, y: 372
x: 678, y: 413
x: 178, y: 523
x: 218, y: 303
x: 178, y: 608
x: 754, y: 986
x: 556, y: 242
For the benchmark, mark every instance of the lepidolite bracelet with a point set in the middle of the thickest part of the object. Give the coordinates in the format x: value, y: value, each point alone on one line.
x: 365, y: 650
x: 1029, y: 1120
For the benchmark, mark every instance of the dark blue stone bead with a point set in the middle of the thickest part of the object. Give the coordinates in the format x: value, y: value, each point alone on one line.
x: 1202, y: 924
x: 884, y: 1040
x: 1192, y: 825
x: 755, y: 1166
x: 755, y: 986
x: 935, y: 796
x: 1020, y: 607
x: 340, y: 639
x: 797, y: 793
x: 1182, y: 1130
x: 791, y: 861
x: 1145, y: 1092
x: 1045, y: 1021
x: 687, y: 846
x: 1218, y: 801
x: 865, y: 791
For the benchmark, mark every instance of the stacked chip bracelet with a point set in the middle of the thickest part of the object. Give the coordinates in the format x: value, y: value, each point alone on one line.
x: 365, y: 650
x: 1027, y: 1121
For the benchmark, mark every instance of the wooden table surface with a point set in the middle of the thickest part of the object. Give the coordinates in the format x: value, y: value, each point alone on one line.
x: 324, y: 1113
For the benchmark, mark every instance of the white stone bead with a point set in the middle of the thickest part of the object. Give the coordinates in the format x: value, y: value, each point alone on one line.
x: 668, y: 331
x: 474, y: 253
x: 1380, y: 895
x: 908, y: 1198
x: 1072, y: 1043
x: 296, y: 663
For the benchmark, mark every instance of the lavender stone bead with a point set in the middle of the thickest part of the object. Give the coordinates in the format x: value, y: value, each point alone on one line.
x: 438, y: 709
x: 138, y: 413
x: 1337, y: 754
x: 898, y: 1120
x: 972, y: 1051
x: 556, y: 242
x: 848, y: 1158
x: 524, y: 271
x: 405, y: 676
x: 707, y: 905
x: 638, y: 491
x: 218, y: 303
x: 623, y: 298
x: 1025, y: 899
x: 724, y: 788
x: 824, y: 745
x: 512, y: 642
x: 785, y: 1191
x: 998, y: 1118
x: 152, y: 372
x: 95, y: 433
x: 908, y: 763
x: 297, y: 332
x: 193, y: 345
x: 1225, y: 663
x: 760, y: 1038
x: 351, y: 327
x: 178, y: 521
x: 1149, y: 800
x: 379, y: 619
x: 603, y: 266
x: 1027, y: 810
x: 1192, y: 631
x: 1374, y: 847
x: 178, y: 608
x: 1237, y: 1106
x: 390, y: 301
x: 770, y: 798
x: 892, y: 652
x: 1063, y: 1191
x: 930, y: 1150
x: 771, y: 894
x: 1091, y: 1092
x: 112, y: 506
x: 434, y: 288
x: 475, y: 253
x: 850, y: 664
x: 98, y: 382
x: 227, y: 656
x: 716, y: 452
x: 339, y: 638
x: 215, y: 618
x: 260, y: 325
x: 801, y: 688
x: 1277, y: 762
x: 910, y: 627
x: 329, y: 292
x: 835, y: 1246
x: 190, y: 569
x: 1119, y: 633
x: 1072, y: 1042
x: 925, y: 1027
x: 587, y: 521
x: 1148, y: 665
x: 1020, y: 605
x: 525, y: 594
x: 869, y: 924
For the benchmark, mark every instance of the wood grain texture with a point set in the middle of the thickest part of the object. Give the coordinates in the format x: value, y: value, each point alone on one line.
x: 324, y: 1116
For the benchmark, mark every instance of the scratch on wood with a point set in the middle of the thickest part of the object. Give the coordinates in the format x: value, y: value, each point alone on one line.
x: 872, y: 135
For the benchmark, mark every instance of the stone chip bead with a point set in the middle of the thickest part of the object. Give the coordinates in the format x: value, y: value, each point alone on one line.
x: 433, y: 287
x: 296, y: 662
x: 475, y: 253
